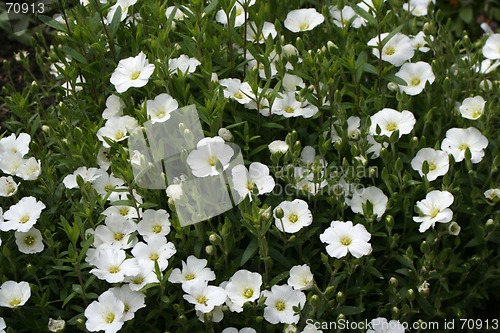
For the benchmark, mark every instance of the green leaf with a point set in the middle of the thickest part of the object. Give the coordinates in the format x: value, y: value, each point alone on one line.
x: 74, y: 54
x: 52, y: 23
x: 250, y: 251
x: 466, y: 14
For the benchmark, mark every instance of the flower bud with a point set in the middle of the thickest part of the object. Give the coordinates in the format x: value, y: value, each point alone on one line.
x: 225, y: 134
x: 210, y: 249
x: 454, y: 228
x: 214, y: 239
x: 410, y: 295
x: 279, y: 213
x: 392, y: 86
x: 56, y: 325
x: 393, y: 282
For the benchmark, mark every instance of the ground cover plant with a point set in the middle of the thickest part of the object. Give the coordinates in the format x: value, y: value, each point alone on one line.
x: 251, y: 166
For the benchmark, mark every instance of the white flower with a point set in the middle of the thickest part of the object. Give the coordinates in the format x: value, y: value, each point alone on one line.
x: 205, y: 297
x: 23, y: 215
x: 13, y: 294
x: 114, y: 107
x: 161, y: 107
x: 346, y: 16
x: 492, y: 193
x: 243, y: 286
x: 396, y: 50
x: 2, y: 325
x: 381, y: 325
x: 16, y: 145
x: 303, y: 19
x: 301, y: 277
x: 257, y: 175
x: 216, y: 315
x: 237, y: 90
x: 194, y: 271
x: 417, y: 7
x: 154, y: 223
x: 106, y: 184
x: 8, y: 187
x: 235, y: 330
x: 373, y: 194
x: 437, y: 160
x: 254, y: 34
x: 472, y: 107
x: 124, y: 6
x: 491, y: 49
x: 29, y: 169
x: 209, y: 151
x: 390, y: 120
x: 416, y: 75
x: 343, y: 237
x: 132, y: 72
x: 280, y: 302
x: 290, y: 82
x: 288, y: 105
x: 116, y: 129
x: 174, y: 191
x: 88, y: 176
x: 105, y: 314
x: 157, y: 250
x: 10, y: 162
x: 434, y: 208
x: 278, y: 146
x: 111, y: 264
x: 132, y: 300
x: 241, y: 14
x: 29, y: 242
x: 459, y: 139
x: 296, y: 215
x: 115, y: 232
x: 184, y: 64
x: 144, y: 277
x: 179, y: 14
x: 419, y: 43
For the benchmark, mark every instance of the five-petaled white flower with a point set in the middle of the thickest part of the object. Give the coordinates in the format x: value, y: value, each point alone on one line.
x: 280, y: 302
x: 437, y: 160
x: 343, y: 237
x: 472, y: 107
x: 23, y: 215
x: 390, y: 120
x: 132, y: 72
x: 416, y: 75
x: 434, y: 208
x: 303, y: 19
x: 13, y: 294
x: 396, y: 50
x: 256, y: 176
x: 296, y: 215
x: 243, y: 286
x: 208, y: 153
x: 459, y: 139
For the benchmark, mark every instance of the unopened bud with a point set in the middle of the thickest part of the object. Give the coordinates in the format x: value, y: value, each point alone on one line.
x: 214, y: 239
x: 279, y: 213
x: 410, y: 295
x: 392, y: 86
x: 210, y: 249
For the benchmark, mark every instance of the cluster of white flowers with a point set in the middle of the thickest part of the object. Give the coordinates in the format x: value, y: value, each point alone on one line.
x: 13, y: 150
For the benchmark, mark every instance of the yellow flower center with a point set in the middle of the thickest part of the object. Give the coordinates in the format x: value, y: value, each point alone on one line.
x: 390, y: 51
x: 415, y: 82
x: 124, y: 211
x: 289, y: 109
x: 434, y: 213
x: 157, y: 229
x: 10, y: 189
x: 463, y: 146
x: 24, y: 219
x: 109, y: 318
x: 432, y: 166
x: 250, y: 185
x: 476, y: 114
x: 280, y: 305
x: 29, y: 240
x: 202, y: 300
x: 135, y: 75
x: 119, y: 135
x: 161, y: 114
x: 346, y: 241
x: 139, y: 280
x: 293, y: 218
x: 248, y: 292
x: 15, y: 302
x: 109, y: 188
x: 238, y: 95
x: 212, y: 161
x: 304, y: 26
x: 391, y: 127
x: 190, y: 276
x: 118, y: 236
x: 154, y: 256
x: 114, y: 269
